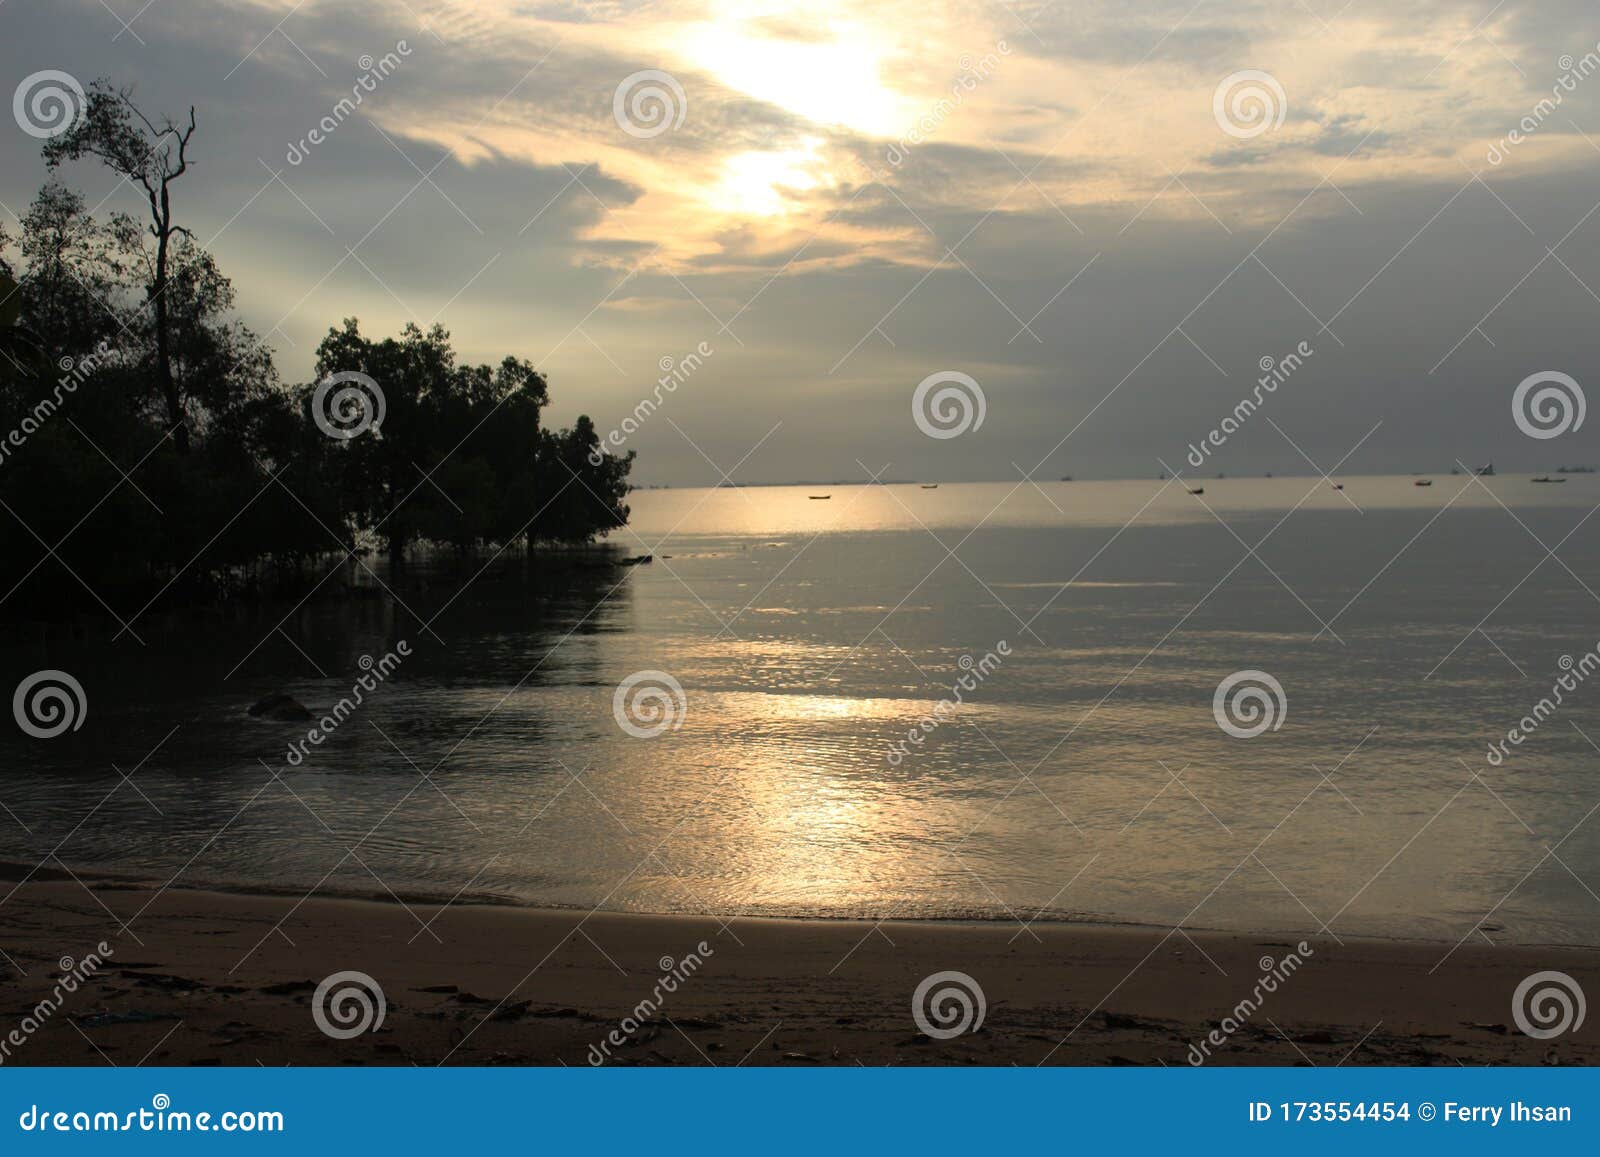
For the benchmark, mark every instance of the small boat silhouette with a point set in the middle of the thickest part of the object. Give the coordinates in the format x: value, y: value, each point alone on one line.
x: 820, y: 497
x: 1338, y: 485
x: 1547, y: 478
x: 1423, y: 482
x: 1198, y: 490
x: 930, y: 486
x: 1485, y: 471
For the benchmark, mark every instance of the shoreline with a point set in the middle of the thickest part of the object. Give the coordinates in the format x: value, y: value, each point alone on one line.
x: 201, y: 977
x: 14, y: 871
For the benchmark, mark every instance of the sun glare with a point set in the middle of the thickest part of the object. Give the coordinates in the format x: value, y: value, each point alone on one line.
x: 832, y: 77
x: 754, y: 183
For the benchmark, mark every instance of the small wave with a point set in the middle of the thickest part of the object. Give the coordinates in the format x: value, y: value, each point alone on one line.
x: 1062, y: 585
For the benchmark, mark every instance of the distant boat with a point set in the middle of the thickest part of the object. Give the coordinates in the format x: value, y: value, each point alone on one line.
x: 1066, y: 478
x: 1547, y: 478
x: 1198, y: 490
x: 1423, y: 482
x: 930, y: 486
x: 1485, y: 471
x: 1338, y: 485
x: 820, y: 497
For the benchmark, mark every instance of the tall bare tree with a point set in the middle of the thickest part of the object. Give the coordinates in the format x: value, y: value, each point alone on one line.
x: 151, y: 155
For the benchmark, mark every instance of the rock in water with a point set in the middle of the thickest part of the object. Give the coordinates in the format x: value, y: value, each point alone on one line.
x: 281, y: 707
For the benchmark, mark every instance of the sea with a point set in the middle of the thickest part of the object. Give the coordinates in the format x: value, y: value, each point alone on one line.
x: 1273, y: 706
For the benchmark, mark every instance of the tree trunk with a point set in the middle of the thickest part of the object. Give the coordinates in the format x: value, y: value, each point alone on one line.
x: 169, y: 388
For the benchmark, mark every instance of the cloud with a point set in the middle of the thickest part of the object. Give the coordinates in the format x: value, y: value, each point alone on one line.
x: 859, y: 195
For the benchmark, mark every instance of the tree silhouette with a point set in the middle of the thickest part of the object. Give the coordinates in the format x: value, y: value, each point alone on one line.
x: 460, y: 458
x: 150, y: 453
x: 113, y: 129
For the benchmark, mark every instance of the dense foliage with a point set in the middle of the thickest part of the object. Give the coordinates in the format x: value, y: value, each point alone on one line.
x: 148, y: 448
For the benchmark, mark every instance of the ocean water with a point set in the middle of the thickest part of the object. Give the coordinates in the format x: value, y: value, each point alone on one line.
x: 1084, y: 774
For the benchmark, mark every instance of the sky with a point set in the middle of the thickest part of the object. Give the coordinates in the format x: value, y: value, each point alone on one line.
x: 1105, y: 217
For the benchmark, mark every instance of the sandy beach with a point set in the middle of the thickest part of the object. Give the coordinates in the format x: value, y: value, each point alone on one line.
x: 212, y: 978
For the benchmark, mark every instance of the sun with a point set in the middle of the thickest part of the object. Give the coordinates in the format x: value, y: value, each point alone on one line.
x: 754, y: 184
x: 826, y: 69
x: 831, y: 75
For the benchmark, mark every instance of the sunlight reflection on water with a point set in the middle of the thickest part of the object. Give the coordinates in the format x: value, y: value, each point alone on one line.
x: 1084, y: 776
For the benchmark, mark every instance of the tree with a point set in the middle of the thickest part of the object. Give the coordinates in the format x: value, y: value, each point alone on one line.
x: 80, y: 270
x: 220, y: 368
x: 17, y: 342
x: 113, y: 129
x: 78, y: 405
x: 460, y: 458
x: 582, y: 490
x: 383, y: 468
x: 150, y: 451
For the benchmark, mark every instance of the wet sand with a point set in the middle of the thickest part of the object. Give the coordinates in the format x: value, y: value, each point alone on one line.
x: 221, y: 978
